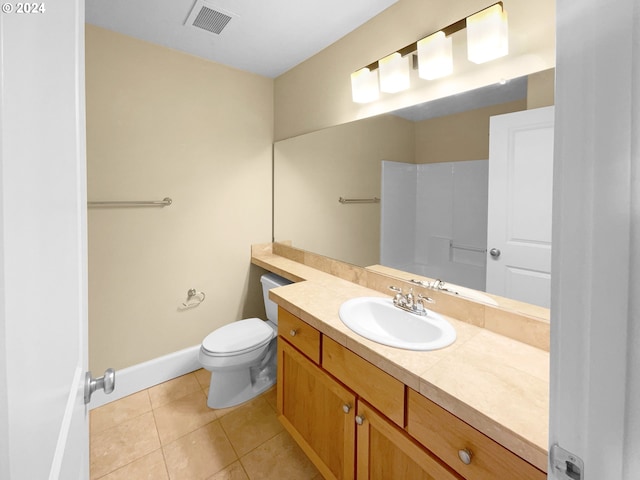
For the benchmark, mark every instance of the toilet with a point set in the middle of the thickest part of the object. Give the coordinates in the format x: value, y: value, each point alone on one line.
x: 241, y: 356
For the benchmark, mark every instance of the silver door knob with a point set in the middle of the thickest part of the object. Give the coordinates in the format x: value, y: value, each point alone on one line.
x: 346, y: 408
x: 494, y: 252
x: 359, y: 419
x: 107, y: 383
x: 465, y: 456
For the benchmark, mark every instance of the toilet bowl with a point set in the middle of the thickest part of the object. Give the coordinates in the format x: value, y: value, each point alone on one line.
x: 241, y: 356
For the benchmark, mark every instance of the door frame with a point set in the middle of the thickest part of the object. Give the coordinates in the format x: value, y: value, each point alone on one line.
x: 595, y: 327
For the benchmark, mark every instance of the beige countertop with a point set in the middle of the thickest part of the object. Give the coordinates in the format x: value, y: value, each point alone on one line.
x: 498, y: 385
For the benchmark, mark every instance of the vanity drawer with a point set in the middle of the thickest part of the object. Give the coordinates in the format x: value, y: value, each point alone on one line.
x: 445, y: 435
x: 299, y: 334
x: 377, y: 387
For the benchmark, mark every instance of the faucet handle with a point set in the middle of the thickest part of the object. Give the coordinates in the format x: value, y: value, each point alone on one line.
x: 422, y: 299
x: 398, y: 298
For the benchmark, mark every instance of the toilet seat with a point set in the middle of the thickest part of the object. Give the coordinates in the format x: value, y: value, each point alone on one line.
x: 237, y: 338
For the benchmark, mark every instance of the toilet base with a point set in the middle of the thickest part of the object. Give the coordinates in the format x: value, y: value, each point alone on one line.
x: 229, y: 388
x: 233, y: 388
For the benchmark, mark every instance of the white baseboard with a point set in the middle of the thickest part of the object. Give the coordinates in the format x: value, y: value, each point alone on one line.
x: 144, y: 375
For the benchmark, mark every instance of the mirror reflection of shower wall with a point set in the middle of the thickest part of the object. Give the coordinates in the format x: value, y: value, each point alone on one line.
x: 434, y: 220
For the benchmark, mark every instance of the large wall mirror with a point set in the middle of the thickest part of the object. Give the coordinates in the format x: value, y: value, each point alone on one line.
x: 415, y: 182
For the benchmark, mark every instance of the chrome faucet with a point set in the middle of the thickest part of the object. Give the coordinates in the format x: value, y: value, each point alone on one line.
x: 437, y: 284
x: 409, y: 302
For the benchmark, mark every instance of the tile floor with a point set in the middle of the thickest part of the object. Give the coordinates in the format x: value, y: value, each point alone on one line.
x: 167, y: 432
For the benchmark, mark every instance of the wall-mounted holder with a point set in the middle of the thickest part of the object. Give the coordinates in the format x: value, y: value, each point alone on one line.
x: 194, y: 298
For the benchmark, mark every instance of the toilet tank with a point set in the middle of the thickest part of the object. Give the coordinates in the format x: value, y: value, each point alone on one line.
x: 269, y: 281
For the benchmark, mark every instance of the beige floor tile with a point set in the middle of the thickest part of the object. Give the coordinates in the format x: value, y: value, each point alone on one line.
x: 204, y: 377
x: 182, y: 416
x: 149, y: 467
x: 279, y: 458
x: 271, y: 396
x: 120, y: 411
x: 122, y: 444
x: 221, y: 412
x: 199, y: 454
x: 232, y: 472
x: 173, y: 389
x: 250, y: 425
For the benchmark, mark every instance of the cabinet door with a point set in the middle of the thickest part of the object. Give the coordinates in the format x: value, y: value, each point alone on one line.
x: 318, y: 412
x: 386, y: 452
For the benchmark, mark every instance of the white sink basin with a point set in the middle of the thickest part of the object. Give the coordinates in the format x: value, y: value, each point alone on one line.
x: 377, y: 319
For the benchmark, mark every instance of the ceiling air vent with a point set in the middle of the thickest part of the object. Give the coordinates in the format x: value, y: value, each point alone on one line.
x: 208, y: 17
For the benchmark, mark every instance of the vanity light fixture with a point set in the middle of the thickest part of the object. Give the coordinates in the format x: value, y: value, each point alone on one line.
x: 364, y: 86
x: 435, y: 56
x: 487, y: 39
x: 487, y: 34
x: 394, y: 73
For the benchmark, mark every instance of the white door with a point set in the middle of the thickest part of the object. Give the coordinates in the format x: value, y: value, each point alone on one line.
x: 43, y: 285
x: 519, y: 216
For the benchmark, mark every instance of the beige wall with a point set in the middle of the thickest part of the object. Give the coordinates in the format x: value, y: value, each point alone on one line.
x: 161, y: 123
x: 462, y: 136
x: 317, y: 93
x: 541, y: 89
x: 312, y: 171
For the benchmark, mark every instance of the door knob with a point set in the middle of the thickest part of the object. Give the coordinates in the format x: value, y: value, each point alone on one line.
x: 107, y: 383
x: 360, y: 419
x: 494, y: 252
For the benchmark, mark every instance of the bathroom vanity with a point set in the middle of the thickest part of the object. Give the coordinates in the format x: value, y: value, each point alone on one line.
x: 475, y: 410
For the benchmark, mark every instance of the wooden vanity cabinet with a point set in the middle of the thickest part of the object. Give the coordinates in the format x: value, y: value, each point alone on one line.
x: 380, y: 389
x: 354, y: 420
x: 386, y: 452
x: 447, y: 436
x: 318, y: 412
x: 300, y: 334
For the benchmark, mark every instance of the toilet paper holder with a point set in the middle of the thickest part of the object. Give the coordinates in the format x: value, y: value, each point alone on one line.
x: 194, y: 298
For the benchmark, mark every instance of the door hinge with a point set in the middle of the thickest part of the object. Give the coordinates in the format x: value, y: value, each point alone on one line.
x: 565, y: 464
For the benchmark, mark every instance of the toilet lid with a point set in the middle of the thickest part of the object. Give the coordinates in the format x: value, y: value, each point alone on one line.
x: 238, y: 337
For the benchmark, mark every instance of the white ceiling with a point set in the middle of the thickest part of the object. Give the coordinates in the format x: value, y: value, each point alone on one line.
x: 264, y: 37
